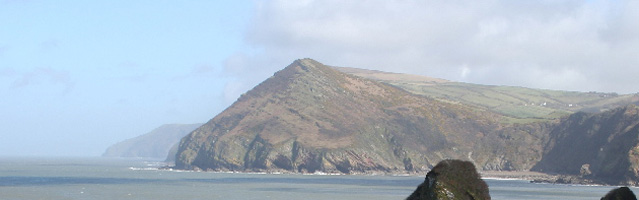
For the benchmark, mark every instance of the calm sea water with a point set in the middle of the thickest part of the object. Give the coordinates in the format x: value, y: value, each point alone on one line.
x: 101, y: 178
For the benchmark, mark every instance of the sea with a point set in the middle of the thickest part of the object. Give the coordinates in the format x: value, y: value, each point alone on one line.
x: 137, y: 179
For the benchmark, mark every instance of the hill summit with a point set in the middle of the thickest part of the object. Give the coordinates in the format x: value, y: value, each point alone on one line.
x: 313, y: 118
x: 310, y: 117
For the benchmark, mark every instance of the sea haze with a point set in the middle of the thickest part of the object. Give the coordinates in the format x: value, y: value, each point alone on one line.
x: 108, y: 178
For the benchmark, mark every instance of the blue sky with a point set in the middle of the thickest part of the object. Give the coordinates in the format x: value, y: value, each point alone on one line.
x: 78, y: 76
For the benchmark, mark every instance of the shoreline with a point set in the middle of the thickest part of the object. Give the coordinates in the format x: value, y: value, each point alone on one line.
x: 528, y: 176
x: 516, y: 175
x: 499, y: 175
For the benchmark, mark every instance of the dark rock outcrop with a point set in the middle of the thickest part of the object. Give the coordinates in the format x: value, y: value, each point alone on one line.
x: 603, y: 147
x: 622, y: 193
x: 452, y: 179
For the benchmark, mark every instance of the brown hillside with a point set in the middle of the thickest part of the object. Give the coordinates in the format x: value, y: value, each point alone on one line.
x: 309, y: 117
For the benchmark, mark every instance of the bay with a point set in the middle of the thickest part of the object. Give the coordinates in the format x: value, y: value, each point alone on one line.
x: 108, y: 178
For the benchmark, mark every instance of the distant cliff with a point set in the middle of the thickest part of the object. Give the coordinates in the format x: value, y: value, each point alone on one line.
x: 602, y: 147
x: 155, y: 144
x: 310, y: 117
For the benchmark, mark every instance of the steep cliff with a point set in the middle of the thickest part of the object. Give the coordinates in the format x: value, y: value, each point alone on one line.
x: 603, y: 147
x: 310, y: 117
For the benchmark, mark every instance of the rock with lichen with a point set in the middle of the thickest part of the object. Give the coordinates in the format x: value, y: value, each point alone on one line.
x: 454, y: 180
x: 622, y: 193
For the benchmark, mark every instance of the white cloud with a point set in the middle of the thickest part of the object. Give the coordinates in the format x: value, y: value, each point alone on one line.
x: 232, y: 90
x: 465, y: 71
x: 574, y: 45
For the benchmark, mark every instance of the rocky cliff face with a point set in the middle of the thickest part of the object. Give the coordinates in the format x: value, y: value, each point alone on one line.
x: 310, y: 117
x: 603, y: 147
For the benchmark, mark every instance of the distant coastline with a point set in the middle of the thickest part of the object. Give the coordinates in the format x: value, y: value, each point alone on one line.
x: 531, y: 176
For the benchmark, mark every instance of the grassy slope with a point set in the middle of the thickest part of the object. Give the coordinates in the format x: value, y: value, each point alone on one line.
x: 517, y: 104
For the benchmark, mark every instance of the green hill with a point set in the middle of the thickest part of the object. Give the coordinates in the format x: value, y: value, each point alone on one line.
x: 516, y: 104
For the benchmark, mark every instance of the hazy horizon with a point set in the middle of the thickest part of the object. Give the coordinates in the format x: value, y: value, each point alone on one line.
x: 77, y: 77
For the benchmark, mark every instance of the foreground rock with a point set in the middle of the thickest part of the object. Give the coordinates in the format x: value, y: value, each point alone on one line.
x: 622, y: 193
x: 452, y: 179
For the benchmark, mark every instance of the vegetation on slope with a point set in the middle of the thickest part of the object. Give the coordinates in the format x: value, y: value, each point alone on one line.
x: 310, y: 117
x: 516, y: 104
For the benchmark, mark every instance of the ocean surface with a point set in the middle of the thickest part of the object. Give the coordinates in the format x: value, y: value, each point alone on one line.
x: 108, y: 178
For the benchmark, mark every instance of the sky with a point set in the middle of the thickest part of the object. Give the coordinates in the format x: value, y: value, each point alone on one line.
x: 79, y: 76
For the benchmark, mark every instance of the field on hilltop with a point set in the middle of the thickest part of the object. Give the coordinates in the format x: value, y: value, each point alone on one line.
x: 516, y: 104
